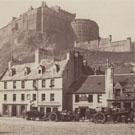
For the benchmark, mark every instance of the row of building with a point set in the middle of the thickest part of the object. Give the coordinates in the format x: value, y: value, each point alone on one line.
x: 60, y: 84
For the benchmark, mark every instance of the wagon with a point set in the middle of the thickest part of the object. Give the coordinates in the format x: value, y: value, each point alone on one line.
x: 109, y: 115
x: 34, y: 114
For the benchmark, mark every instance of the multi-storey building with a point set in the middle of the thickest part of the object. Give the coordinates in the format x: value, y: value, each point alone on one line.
x: 96, y: 91
x: 43, y: 83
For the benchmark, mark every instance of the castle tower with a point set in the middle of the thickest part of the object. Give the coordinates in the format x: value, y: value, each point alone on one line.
x: 109, y: 80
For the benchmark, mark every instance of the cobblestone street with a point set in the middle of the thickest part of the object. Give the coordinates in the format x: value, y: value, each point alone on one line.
x: 17, y: 126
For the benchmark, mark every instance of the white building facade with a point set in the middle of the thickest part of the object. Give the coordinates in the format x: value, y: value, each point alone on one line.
x: 42, y: 84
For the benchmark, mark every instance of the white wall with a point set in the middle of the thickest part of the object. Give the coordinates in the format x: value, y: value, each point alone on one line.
x: 93, y: 104
x: 57, y: 90
x: 29, y: 84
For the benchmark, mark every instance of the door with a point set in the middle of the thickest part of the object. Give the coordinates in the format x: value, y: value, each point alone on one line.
x: 127, y: 105
x: 14, y: 110
x: 83, y: 112
x: 48, y: 110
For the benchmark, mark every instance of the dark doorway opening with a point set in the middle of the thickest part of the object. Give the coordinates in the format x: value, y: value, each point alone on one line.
x: 127, y: 105
x: 5, y: 110
x: 83, y: 112
x: 14, y: 110
x: 48, y: 110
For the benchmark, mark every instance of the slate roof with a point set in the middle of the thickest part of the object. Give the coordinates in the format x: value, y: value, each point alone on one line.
x: 19, y: 75
x: 96, y: 83
x: 89, y: 84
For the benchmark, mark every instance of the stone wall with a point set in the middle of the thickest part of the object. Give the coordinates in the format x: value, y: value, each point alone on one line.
x: 106, y: 44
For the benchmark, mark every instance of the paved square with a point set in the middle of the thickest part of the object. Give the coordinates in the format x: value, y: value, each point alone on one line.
x: 17, y: 126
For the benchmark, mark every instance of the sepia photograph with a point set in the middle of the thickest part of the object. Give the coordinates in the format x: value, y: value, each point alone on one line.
x: 67, y: 67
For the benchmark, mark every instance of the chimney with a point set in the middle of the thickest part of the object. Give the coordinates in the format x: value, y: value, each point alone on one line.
x: 31, y: 8
x: 129, y: 41
x: 37, y: 58
x: 110, y: 38
x: 14, y: 18
x: 68, y: 56
x: 9, y: 65
x: 109, y: 77
x: 75, y: 44
x: 43, y: 4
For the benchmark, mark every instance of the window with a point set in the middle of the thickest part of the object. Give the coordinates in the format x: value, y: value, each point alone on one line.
x: 28, y: 96
x: 90, y: 98
x: 43, y: 83
x: 23, y: 84
x: 12, y: 72
x: 14, y: 97
x: 43, y: 97
x: 41, y: 69
x: 76, y: 98
x: 117, y: 92
x: 22, y: 97
x: 5, y: 85
x: 52, y: 97
x: 14, y: 84
x: 34, y: 97
x: 55, y: 109
x: 52, y: 83
x: 5, y: 97
x: 99, y: 98
x: 26, y: 70
x: 34, y: 83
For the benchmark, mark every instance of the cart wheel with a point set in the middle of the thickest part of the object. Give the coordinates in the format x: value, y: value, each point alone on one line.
x: 99, y: 117
x: 53, y: 117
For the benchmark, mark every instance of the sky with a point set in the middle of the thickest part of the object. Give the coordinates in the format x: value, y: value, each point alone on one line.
x: 114, y: 17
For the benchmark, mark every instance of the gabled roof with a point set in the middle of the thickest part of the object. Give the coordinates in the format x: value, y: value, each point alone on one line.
x: 89, y: 84
x: 19, y: 75
x: 96, y: 83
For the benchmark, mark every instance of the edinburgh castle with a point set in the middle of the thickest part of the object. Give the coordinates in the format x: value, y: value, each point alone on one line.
x: 56, y: 30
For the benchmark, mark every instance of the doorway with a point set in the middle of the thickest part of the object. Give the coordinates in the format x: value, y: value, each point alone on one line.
x: 48, y: 110
x: 14, y: 110
x: 83, y: 112
x: 127, y: 105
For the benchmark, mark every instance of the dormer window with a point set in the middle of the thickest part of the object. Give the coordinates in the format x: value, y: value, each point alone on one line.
x: 26, y: 70
x: 57, y: 67
x: 41, y: 69
x: 12, y: 72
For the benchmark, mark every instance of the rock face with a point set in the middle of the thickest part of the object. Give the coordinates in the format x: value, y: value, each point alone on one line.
x: 21, y: 46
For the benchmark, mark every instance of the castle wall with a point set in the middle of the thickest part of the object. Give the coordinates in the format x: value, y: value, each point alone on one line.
x: 40, y: 19
x: 85, y: 30
x: 107, y: 45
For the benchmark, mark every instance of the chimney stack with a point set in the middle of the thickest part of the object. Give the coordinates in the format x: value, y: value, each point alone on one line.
x: 9, y: 65
x: 109, y: 77
x: 37, y: 57
x: 110, y: 38
x: 129, y: 41
x: 75, y: 44
x: 43, y: 4
x: 68, y: 55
